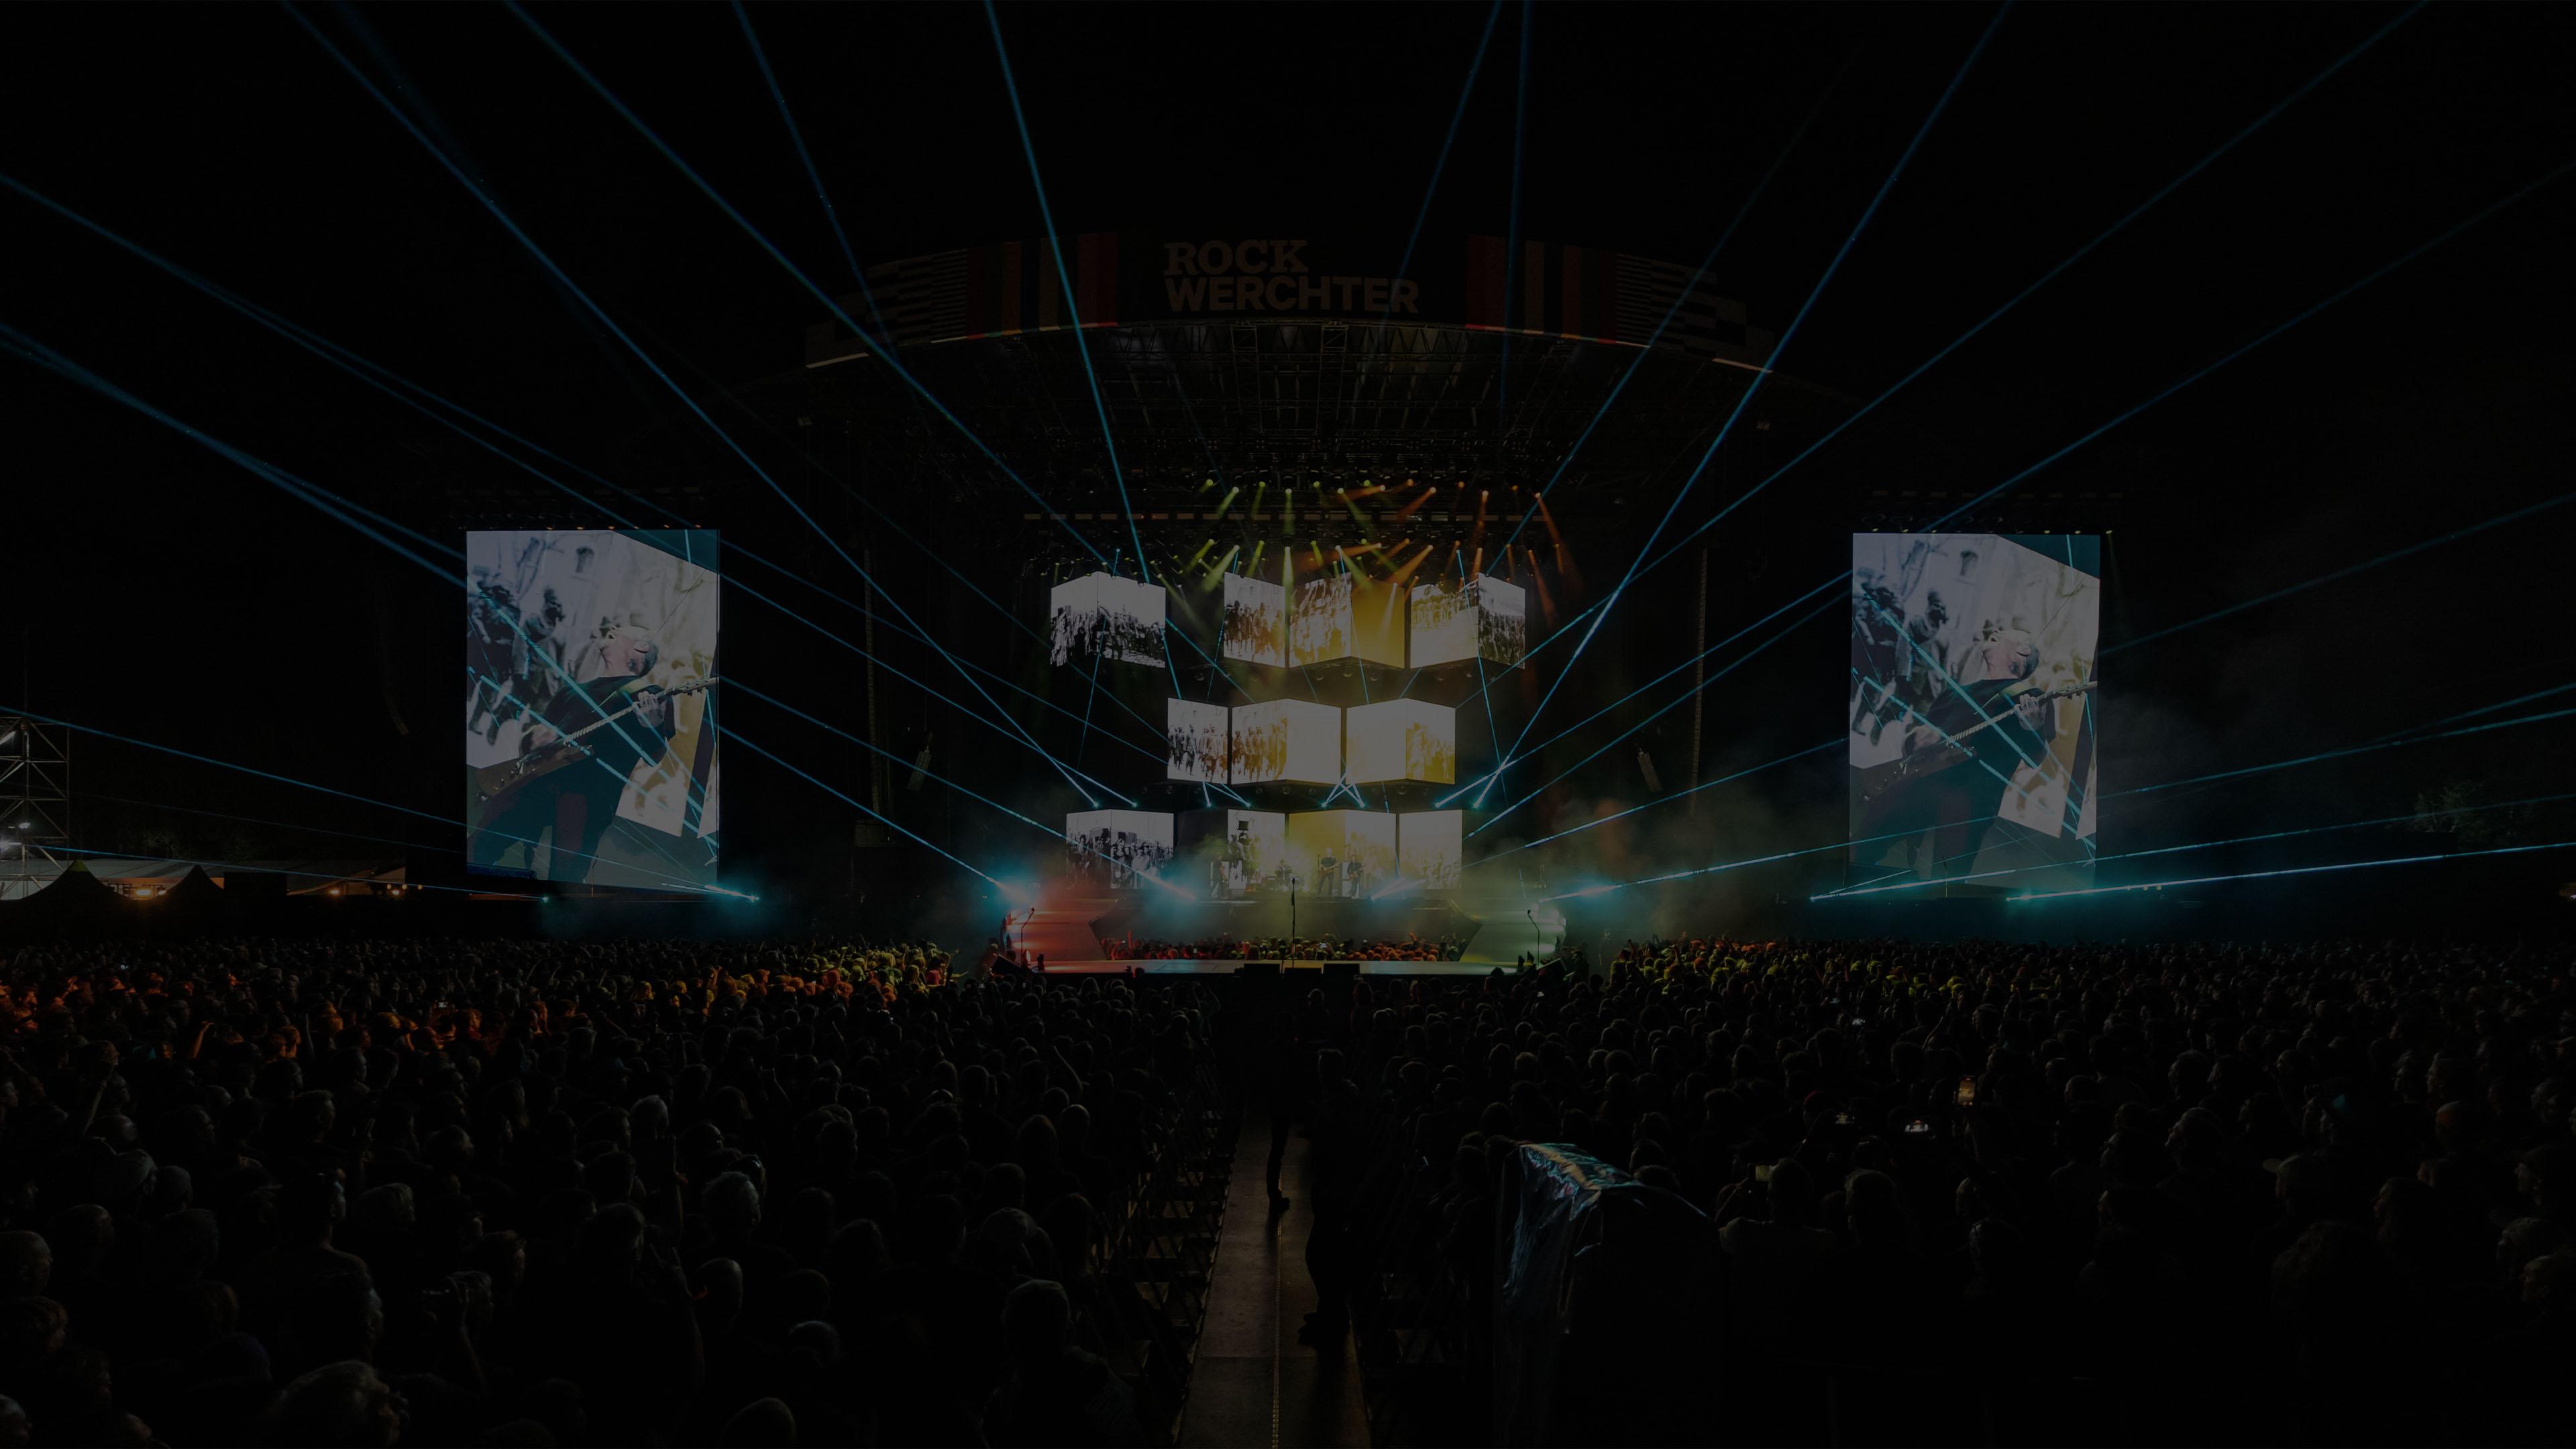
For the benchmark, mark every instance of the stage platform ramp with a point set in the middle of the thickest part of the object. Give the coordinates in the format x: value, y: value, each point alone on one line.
x: 1060, y: 928
x: 1509, y: 927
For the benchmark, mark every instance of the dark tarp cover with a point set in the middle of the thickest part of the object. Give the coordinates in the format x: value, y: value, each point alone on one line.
x: 1554, y: 1204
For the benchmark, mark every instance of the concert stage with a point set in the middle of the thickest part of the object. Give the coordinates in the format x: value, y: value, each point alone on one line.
x: 1496, y: 930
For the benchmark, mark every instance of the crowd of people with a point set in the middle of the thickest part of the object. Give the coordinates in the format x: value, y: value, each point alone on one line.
x: 1230, y: 947
x: 2241, y: 1194
x: 255, y: 1191
x: 445, y: 1192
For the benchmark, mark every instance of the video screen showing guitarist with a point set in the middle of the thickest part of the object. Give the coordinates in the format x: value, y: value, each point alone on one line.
x: 578, y: 758
x: 1962, y: 745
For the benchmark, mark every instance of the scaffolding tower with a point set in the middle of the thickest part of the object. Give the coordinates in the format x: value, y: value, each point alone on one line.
x: 35, y: 803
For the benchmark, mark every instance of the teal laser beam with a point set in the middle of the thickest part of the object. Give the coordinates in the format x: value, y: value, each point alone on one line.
x: 2157, y: 885
x: 1754, y: 388
x: 2044, y: 278
x: 1498, y: 816
x: 2347, y: 753
x: 1064, y: 279
x: 2407, y: 818
x: 1633, y: 809
x: 528, y: 243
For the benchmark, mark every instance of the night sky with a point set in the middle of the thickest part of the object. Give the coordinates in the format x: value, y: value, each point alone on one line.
x: 161, y: 591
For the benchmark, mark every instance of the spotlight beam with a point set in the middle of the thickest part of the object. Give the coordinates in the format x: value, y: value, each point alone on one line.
x: 529, y: 243
x: 1064, y: 279
x: 1754, y: 387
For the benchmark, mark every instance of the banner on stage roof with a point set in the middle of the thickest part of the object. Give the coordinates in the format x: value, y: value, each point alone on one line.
x: 1117, y: 849
x: 1102, y: 616
x: 1196, y: 735
x: 1285, y: 739
x: 1342, y: 854
x: 1401, y: 739
x: 1971, y: 720
x: 1431, y: 847
x: 1132, y: 278
x: 590, y: 712
x: 1256, y: 620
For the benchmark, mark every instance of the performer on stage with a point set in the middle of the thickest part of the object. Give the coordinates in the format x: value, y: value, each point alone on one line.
x: 580, y: 799
x: 1955, y: 790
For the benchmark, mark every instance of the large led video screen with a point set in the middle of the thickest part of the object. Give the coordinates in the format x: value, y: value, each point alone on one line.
x: 1103, y: 616
x: 1444, y: 624
x: 1502, y: 619
x: 1342, y: 854
x: 590, y: 711
x: 1401, y: 739
x: 1285, y: 739
x: 1194, y: 735
x: 1431, y: 847
x: 1256, y: 620
x: 1117, y: 850
x: 1971, y: 722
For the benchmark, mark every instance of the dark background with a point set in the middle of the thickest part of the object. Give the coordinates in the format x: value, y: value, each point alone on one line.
x: 159, y: 591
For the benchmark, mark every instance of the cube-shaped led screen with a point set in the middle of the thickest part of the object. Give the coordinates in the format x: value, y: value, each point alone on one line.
x: 1285, y: 739
x: 1104, y: 616
x: 1117, y: 849
x: 1342, y: 854
x: 1402, y: 739
x: 1194, y: 735
x: 1431, y: 847
x: 1256, y: 620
